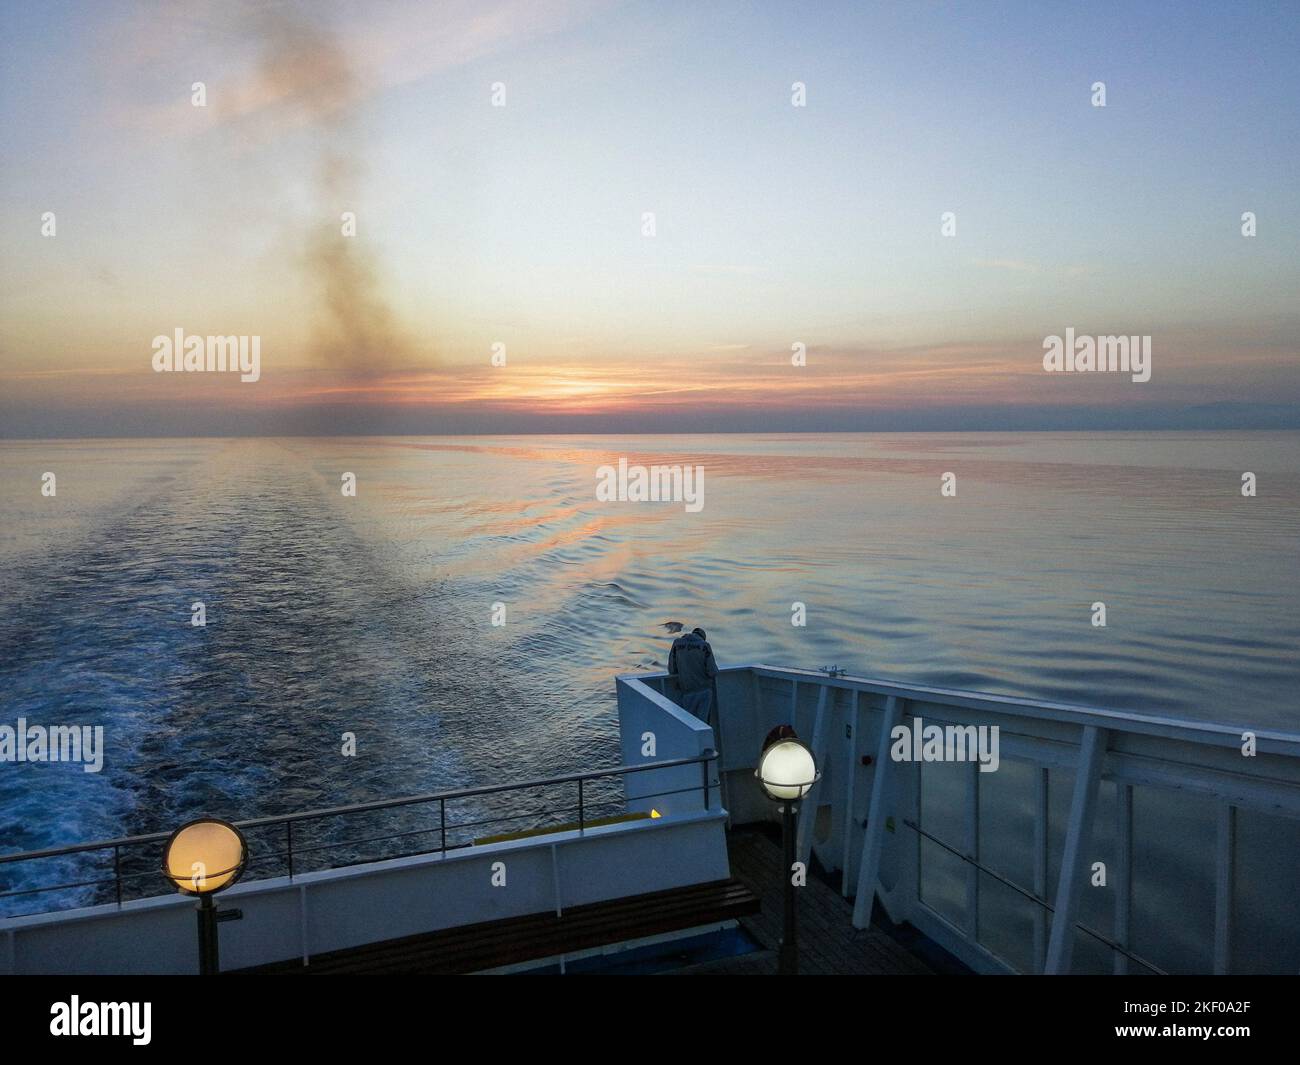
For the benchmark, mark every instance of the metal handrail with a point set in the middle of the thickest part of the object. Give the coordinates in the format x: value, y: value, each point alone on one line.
x: 1042, y: 903
x: 365, y: 807
x: 289, y: 820
x: 1270, y: 740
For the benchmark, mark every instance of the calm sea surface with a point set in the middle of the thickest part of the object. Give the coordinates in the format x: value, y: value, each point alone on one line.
x: 373, y: 615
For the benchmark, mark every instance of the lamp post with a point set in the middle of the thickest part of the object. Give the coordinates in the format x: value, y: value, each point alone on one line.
x: 787, y: 771
x: 202, y: 858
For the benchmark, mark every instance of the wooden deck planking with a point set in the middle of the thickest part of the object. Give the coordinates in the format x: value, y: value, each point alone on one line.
x: 829, y: 945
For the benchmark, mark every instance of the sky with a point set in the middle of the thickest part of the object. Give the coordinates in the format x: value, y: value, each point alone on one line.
x: 521, y: 229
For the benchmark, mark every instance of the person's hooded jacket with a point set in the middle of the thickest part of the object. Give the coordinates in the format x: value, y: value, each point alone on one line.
x: 691, y: 662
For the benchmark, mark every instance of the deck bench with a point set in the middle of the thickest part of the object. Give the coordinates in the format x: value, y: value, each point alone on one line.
x: 515, y: 940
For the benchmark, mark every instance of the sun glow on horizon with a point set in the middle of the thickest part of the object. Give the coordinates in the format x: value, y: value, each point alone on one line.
x: 352, y: 192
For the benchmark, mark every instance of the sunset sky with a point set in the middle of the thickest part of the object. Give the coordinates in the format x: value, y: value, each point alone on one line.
x: 522, y: 224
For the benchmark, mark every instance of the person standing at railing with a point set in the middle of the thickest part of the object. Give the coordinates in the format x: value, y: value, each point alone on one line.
x: 691, y: 665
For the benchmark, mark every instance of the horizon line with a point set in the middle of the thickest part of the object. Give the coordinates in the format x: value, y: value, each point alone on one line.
x: 657, y: 432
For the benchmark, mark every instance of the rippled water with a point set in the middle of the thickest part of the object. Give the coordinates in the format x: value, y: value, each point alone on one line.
x: 372, y: 614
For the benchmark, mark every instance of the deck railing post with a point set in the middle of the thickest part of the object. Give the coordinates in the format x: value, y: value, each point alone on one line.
x: 582, y: 816
x: 1042, y: 815
x: 973, y: 850
x: 1123, y: 874
x: 808, y: 809
x: 873, y: 839
x: 1069, y: 888
x: 1224, y: 875
x: 288, y: 834
x: 442, y: 819
x: 117, y: 874
x: 704, y: 768
x: 850, y: 777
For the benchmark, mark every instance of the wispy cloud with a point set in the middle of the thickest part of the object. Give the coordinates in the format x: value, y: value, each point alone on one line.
x: 1022, y: 266
x: 330, y: 57
x: 1015, y: 265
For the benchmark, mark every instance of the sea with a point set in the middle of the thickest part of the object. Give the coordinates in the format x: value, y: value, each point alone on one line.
x: 455, y: 609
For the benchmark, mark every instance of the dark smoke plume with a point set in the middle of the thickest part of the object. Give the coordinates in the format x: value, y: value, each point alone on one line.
x: 305, y: 84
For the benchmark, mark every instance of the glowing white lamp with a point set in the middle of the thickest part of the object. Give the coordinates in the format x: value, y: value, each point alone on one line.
x: 787, y: 770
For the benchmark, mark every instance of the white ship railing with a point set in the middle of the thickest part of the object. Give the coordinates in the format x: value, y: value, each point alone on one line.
x: 568, y: 841
x: 1106, y: 841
